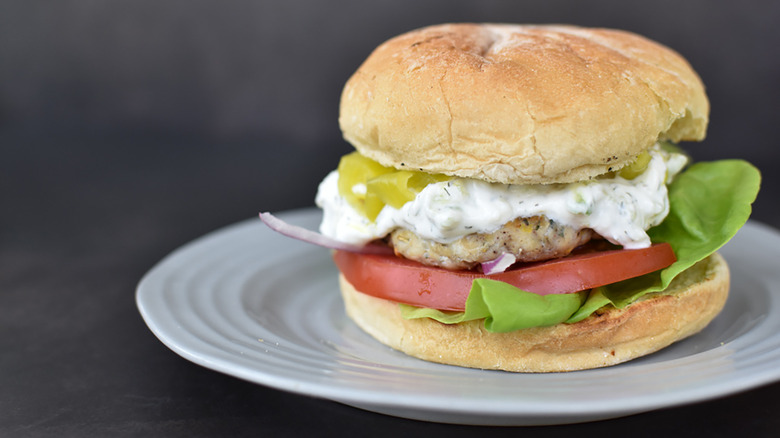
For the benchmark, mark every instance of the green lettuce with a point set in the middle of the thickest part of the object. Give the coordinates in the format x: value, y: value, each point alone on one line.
x: 505, y: 308
x: 708, y: 204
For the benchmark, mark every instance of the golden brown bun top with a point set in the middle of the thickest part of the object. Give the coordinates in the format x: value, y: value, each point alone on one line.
x: 519, y: 104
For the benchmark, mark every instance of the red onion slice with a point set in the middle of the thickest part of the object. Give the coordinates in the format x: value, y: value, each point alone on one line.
x: 316, y: 238
x: 499, y: 264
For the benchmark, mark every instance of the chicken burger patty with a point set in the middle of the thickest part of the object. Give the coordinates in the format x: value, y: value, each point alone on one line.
x: 528, y: 239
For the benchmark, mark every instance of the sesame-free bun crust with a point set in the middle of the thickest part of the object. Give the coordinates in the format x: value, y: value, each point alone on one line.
x: 519, y: 104
x: 608, y: 337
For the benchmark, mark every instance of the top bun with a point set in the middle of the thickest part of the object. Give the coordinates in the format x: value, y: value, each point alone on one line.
x: 519, y: 104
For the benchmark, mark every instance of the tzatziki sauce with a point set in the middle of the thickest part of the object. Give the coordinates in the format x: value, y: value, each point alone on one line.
x: 620, y: 210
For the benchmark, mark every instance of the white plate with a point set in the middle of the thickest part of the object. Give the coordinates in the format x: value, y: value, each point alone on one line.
x: 258, y: 306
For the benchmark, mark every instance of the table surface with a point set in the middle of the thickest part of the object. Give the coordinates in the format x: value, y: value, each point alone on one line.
x: 94, y: 194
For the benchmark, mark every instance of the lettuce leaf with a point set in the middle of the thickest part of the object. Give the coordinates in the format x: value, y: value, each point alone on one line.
x: 505, y: 308
x: 709, y: 203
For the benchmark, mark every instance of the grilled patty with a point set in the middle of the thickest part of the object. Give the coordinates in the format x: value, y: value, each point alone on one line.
x: 529, y: 239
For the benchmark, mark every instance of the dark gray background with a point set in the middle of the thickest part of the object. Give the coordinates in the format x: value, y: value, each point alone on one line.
x: 131, y: 127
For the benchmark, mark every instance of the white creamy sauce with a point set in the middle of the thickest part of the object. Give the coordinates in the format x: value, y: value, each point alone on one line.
x: 619, y: 209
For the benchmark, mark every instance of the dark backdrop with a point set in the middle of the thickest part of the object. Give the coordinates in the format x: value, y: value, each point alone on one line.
x: 131, y: 127
x: 160, y: 85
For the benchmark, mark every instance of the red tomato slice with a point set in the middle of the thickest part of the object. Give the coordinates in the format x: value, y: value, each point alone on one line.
x: 405, y: 281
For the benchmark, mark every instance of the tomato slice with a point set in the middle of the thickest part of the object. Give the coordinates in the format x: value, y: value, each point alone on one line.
x: 406, y: 281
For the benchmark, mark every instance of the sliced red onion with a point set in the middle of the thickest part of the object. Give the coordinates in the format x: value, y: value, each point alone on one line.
x: 316, y: 238
x: 499, y: 264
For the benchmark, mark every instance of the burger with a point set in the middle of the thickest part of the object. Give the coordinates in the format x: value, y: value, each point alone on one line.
x: 517, y: 199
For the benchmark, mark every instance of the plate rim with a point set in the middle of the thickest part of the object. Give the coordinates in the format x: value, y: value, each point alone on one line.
x: 372, y: 400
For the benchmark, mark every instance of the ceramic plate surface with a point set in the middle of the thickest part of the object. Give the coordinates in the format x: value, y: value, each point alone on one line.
x: 253, y: 304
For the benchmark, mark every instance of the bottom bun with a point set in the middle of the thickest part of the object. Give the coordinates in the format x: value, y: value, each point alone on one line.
x: 608, y: 337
